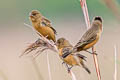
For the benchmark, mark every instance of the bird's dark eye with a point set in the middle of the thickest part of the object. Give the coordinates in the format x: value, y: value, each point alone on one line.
x: 33, y: 14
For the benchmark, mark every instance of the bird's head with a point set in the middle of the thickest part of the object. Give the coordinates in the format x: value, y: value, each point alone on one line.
x: 62, y: 42
x: 97, y: 22
x: 98, y: 18
x: 34, y: 15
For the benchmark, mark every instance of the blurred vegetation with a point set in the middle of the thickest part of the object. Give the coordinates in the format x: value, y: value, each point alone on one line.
x: 3, y: 76
x: 51, y: 8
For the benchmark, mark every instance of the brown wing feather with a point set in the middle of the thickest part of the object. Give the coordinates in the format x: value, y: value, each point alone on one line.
x: 81, y: 56
x: 47, y: 22
x: 66, y: 51
x: 87, y: 38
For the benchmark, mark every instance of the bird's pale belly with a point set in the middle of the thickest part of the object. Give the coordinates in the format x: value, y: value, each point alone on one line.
x: 46, y: 32
x: 91, y: 44
x: 70, y: 60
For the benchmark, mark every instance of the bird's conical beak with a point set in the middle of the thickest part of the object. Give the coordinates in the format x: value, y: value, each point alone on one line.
x: 30, y: 15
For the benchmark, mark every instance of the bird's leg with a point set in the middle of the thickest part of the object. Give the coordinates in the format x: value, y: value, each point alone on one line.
x: 68, y: 68
x: 63, y: 62
x: 88, y: 51
x: 92, y: 52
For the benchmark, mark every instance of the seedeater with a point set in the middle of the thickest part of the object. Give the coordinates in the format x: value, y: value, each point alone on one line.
x: 42, y: 25
x: 91, y: 36
x: 65, y: 47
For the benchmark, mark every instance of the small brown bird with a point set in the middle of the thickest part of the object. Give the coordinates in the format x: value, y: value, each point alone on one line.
x: 42, y: 25
x: 65, y: 47
x: 91, y: 36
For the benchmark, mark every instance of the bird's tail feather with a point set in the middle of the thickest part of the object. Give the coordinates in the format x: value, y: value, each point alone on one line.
x: 85, y: 67
x: 82, y: 57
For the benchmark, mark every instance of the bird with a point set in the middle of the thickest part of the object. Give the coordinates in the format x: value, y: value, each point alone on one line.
x: 71, y: 60
x: 42, y: 25
x: 90, y: 37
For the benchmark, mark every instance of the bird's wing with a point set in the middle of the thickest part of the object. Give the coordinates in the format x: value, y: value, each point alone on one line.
x: 47, y: 22
x: 87, y: 38
x: 66, y: 51
x: 81, y: 56
x: 54, y: 30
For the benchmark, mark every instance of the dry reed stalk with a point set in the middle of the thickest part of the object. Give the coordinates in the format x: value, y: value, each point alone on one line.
x: 3, y: 76
x: 49, y: 72
x: 86, y: 16
x: 115, y: 73
x: 42, y: 44
x: 72, y: 75
x: 36, y: 68
x: 39, y: 45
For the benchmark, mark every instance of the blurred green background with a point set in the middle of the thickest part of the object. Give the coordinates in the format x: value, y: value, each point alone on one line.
x: 67, y: 18
x: 52, y: 9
